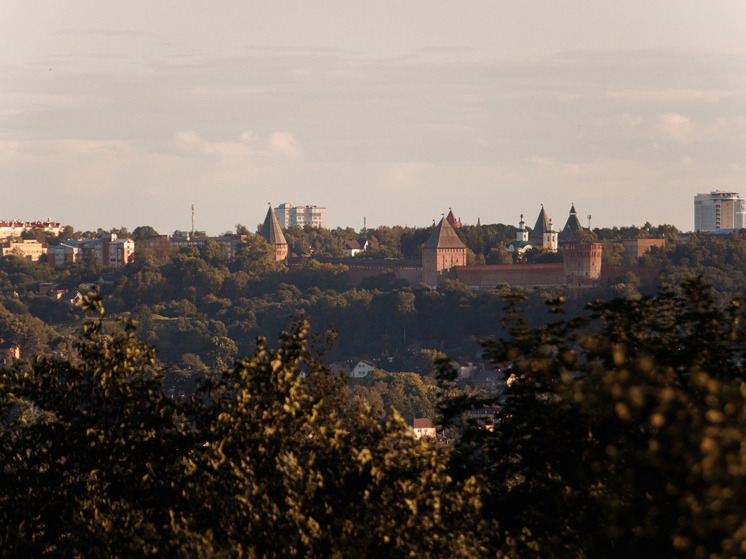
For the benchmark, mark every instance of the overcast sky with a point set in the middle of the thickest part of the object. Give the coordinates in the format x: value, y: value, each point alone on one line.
x: 126, y: 113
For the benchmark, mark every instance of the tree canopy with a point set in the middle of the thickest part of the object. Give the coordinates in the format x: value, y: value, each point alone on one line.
x: 268, y: 459
x: 622, y: 432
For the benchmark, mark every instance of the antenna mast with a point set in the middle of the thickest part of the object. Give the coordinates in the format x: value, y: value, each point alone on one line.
x: 192, y: 221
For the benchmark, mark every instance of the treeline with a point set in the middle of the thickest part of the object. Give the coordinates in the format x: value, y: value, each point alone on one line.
x: 621, y: 434
x: 204, y: 310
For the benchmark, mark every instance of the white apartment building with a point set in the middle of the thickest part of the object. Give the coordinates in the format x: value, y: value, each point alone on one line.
x: 719, y: 210
x: 14, y: 228
x: 298, y: 216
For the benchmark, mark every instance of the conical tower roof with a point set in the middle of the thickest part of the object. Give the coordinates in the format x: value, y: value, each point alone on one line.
x: 444, y: 236
x: 450, y: 218
x: 271, y: 230
x: 572, y: 225
x: 542, y: 223
x: 542, y: 226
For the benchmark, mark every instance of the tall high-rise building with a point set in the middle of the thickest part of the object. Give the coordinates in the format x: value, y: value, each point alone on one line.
x: 298, y: 216
x: 719, y: 210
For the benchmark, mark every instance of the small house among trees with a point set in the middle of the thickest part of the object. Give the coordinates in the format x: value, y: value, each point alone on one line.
x: 9, y: 351
x: 362, y: 369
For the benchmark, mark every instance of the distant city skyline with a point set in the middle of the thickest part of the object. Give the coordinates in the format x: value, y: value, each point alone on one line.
x: 125, y: 114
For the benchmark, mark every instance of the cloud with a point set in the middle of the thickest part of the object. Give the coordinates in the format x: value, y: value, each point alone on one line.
x: 668, y: 96
x: 247, y: 136
x: 190, y: 143
x: 102, y: 32
x: 557, y: 166
x: 284, y: 143
x: 676, y: 127
x: 231, y: 91
x: 623, y: 120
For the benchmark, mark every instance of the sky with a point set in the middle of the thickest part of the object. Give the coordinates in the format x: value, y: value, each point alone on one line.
x: 120, y: 114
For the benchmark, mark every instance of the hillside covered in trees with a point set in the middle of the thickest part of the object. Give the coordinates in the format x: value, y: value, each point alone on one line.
x: 621, y: 434
x: 202, y: 309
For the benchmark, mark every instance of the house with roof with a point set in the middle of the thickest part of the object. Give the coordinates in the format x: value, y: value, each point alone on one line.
x: 355, y: 246
x: 362, y: 369
x: 28, y: 249
x: 9, y: 351
x: 422, y: 427
x: 47, y: 288
x: 61, y: 254
x: 464, y: 369
x: 486, y: 416
x: 15, y: 228
x: 109, y: 250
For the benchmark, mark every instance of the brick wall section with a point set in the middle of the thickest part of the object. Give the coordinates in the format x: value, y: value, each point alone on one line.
x: 486, y: 277
x: 357, y: 272
x: 359, y: 269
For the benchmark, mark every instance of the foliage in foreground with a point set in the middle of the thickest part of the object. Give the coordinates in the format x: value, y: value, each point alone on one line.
x: 622, y: 434
x: 98, y: 462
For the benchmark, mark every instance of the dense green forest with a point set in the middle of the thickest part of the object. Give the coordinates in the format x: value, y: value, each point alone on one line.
x: 203, y: 310
x: 621, y: 434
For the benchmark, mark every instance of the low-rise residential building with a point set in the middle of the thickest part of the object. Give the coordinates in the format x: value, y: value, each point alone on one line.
x: 464, y: 369
x: 62, y: 254
x: 355, y: 246
x: 9, y: 351
x: 14, y: 228
x: 109, y: 250
x: 362, y: 369
x: 422, y: 427
x: 179, y: 239
x: 47, y: 288
x: 27, y: 249
x: 486, y: 416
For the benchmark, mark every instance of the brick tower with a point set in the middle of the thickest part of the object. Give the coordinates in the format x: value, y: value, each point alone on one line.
x: 582, y: 261
x: 442, y: 251
x: 272, y: 233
